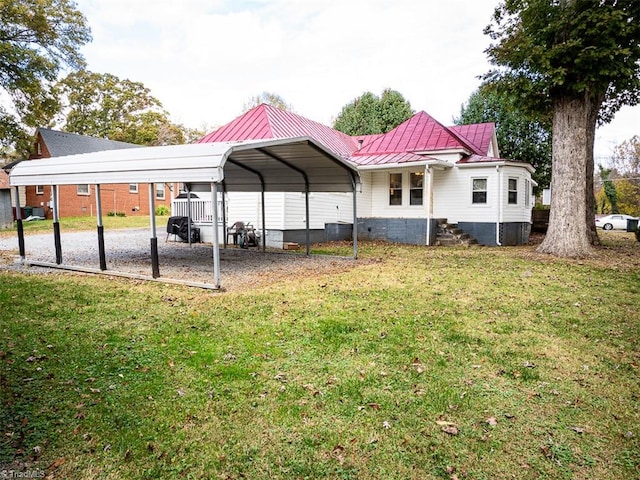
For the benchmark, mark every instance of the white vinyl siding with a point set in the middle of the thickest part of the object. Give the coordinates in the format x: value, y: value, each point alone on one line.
x: 520, y: 211
x: 287, y: 211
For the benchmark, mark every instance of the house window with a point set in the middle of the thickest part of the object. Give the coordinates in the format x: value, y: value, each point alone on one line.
x: 479, y: 190
x: 82, y: 189
x: 133, y: 188
x: 415, y: 188
x: 39, y: 189
x: 513, y: 191
x: 395, y: 189
x: 160, y: 191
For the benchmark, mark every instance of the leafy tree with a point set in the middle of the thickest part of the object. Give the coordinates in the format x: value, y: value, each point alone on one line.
x: 626, y: 158
x: 103, y: 105
x: 38, y: 38
x: 628, y: 197
x: 609, y: 189
x: 370, y: 114
x: 269, y: 98
x: 579, y: 61
x: 520, y: 136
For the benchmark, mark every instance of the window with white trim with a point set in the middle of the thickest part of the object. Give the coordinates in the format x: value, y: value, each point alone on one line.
x: 416, y: 182
x: 39, y: 189
x: 479, y: 190
x: 160, y: 191
x: 512, y: 194
x: 82, y: 189
x: 395, y: 189
x: 133, y: 188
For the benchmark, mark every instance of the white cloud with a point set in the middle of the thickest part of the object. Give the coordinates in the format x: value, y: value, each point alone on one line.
x: 204, y: 58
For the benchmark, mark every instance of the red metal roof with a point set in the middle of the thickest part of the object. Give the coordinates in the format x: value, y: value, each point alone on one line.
x: 404, y: 144
x: 479, y: 134
x: 265, y: 121
x: 418, y: 134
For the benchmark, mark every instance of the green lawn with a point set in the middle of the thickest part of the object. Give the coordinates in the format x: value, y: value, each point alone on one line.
x: 417, y: 363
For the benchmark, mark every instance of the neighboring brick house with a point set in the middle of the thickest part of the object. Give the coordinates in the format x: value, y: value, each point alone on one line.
x: 80, y: 200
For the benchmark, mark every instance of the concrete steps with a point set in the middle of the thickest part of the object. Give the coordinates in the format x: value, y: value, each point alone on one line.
x: 448, y: 234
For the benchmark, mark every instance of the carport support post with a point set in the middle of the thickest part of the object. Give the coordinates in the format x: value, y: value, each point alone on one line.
x: 264, y: 222
x: 101, y: 254
x: 155, y: 265
x: 306, y: 212
x: 56, y: 225
x: 216, y: 241
x: 189, y: 214
x: 224, y: 217
x: 20, y: 226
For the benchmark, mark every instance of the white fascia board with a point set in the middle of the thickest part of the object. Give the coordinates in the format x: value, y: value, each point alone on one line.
x: 388, y: 166
x: 500, y: 163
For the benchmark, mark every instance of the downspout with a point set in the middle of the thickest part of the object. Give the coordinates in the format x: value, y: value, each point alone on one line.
x: 500, y: 201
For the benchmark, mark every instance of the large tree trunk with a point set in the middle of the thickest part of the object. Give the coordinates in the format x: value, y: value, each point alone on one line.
x: 572, y: 231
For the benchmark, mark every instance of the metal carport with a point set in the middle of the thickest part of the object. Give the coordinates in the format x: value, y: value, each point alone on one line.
x: 277, y: 165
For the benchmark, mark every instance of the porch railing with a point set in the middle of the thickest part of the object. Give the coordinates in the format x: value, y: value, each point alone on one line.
x: 200, y: 209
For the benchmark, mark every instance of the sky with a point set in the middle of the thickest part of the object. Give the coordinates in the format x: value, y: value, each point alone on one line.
x: 205, y: 59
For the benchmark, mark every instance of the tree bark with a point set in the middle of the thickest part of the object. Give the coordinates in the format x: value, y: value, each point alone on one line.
x: 572, y: 231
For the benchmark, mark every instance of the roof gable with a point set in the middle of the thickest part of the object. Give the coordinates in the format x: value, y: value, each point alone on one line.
x: 479, y: 134
x: 60, y: 144
x: 266, y: 121
x: 420, y: 133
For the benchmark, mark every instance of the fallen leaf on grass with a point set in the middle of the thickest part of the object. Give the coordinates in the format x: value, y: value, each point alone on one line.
x: 577, y: 429
x: 311, y: 388
x: 386, y: 424
x: 450, y: 430
x: 444, y: 423
x: 338, y: 453
x: 492, y: 421
x: 57, y: 463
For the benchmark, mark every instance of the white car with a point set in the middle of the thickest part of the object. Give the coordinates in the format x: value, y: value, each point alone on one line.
x: 617, y: 221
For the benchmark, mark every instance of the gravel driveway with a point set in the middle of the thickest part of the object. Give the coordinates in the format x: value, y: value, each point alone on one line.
x: 128, y: 251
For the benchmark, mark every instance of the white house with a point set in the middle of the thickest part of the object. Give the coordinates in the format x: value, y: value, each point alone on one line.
x: 418, y: 181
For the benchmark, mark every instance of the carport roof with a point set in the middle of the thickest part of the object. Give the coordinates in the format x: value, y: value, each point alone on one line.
x: 277, y: 165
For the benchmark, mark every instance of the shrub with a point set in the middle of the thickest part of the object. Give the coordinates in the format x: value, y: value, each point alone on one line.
x: 162, y: 210
x: 116, y: 214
